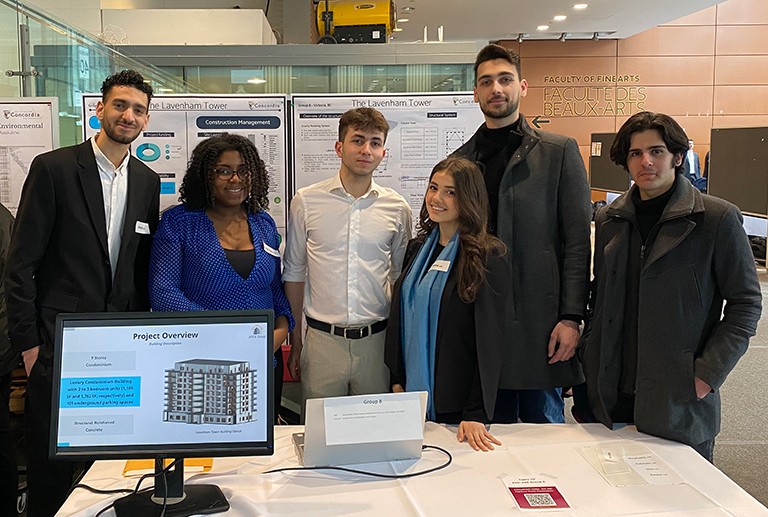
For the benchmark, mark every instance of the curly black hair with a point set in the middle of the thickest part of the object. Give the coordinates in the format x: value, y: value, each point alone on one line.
x: 126, y: 78
x: 196, y: 190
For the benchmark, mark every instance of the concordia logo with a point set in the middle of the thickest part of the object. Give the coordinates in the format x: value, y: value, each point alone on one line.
x: 20, y: 114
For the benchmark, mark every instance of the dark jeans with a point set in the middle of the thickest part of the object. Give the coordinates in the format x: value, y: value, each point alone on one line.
x: 529, y: 406
x: 9, y: 477
x: 48, y: 481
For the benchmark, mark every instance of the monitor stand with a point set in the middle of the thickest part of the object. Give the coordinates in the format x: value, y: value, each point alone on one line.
x: 182, y: 500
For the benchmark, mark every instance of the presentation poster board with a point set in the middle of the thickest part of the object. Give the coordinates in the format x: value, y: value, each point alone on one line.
x: 603, y: 173
x: 179, y: 122
x: 28, y: 127
x: 424, y: 129
x: 738, y: 168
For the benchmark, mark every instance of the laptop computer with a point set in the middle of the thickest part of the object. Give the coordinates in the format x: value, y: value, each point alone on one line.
x: 313, y: 451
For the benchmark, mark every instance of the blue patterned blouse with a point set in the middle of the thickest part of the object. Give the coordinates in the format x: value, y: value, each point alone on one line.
x: 189, y: 270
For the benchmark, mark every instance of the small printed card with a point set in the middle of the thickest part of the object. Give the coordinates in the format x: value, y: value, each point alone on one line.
x: 533, y: 493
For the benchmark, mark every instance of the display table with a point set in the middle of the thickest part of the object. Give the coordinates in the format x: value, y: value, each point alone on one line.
x: 568, y: 456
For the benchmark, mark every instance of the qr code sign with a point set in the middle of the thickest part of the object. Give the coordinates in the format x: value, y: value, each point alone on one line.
x: 540, y: 500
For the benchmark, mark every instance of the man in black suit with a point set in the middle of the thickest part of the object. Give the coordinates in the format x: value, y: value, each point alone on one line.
x: 80, y: 243
x: 692, y: 168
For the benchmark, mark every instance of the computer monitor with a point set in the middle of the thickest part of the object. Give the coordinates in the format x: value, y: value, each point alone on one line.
x: 163, y: 385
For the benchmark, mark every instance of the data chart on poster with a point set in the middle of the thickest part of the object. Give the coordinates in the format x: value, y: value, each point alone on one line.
x: 179, y: 122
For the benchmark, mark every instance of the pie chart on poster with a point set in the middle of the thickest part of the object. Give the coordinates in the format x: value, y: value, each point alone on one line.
x: 148, y: 152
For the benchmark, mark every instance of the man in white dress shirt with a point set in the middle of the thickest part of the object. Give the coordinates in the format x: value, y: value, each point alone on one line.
x: 346, y: 240
x: 692, y: 168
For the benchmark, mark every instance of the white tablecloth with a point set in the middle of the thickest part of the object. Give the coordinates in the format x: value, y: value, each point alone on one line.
x: 471, y: 486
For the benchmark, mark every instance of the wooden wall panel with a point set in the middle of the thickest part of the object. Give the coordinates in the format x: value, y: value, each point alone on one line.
x: 664, y: 70
x: 537, y: 70
x: 742, y: 12
x: 704, y: 17
x: 723, y: 121
x: 584, y: 151
x: 670, y: 41
x: 696, y: 128
x: 708, y: 69
x: 555, y: 102
x: 745, y: 70
x: 741, y: 100
x: 679, y: 100
x: 576, y: 48
x: 580, y: 128
x: 742, y: 40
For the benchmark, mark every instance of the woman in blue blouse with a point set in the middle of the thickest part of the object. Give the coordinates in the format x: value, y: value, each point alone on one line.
x: 218, y: 250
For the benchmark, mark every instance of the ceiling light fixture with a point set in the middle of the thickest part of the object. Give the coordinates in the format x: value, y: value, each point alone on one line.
x: 579, y: 7
x: 560, y: 18
x: 403, y: 20
x: 542, y: 27
x: 397, y: 29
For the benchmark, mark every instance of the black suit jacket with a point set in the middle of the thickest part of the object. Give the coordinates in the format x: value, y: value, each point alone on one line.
x: 59, y: 260
x: 696, y: 172
x: 469, y: 367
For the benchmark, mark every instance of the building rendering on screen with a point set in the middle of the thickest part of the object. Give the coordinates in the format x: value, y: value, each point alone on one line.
x: 210, y: 391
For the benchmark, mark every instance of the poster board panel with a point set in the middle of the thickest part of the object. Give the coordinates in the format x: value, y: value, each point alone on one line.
x: 28, y: 127
x: 424, y: 129
x: 179, y: 122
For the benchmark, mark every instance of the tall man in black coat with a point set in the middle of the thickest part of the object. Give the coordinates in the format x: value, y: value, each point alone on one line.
x: 80, y: 244
x: 540, y: 207
x: 675, y: 295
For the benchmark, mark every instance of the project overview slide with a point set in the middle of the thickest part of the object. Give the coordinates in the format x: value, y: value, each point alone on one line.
x: 152, y: 384
x: 423, y: 129
x: 179, y: 122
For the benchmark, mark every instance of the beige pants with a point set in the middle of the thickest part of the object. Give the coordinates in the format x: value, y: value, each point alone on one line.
x: 332, y: 366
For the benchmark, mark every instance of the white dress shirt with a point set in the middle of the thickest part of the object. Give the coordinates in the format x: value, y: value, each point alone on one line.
x: 691, y: 162
x: 114, y: 190
x: 348, y: 251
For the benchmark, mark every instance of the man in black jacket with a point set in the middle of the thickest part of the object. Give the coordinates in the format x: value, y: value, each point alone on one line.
x: 540, y: 207
x: 675, y: 297
x: 81, y: 243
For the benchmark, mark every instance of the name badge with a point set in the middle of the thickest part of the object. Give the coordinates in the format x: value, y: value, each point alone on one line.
x: 440, y: 265
x: 272, y: 251
x: 142, y: 228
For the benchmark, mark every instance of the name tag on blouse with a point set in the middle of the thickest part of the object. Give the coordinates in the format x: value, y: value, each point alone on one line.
x: 272, y: 251
x: 440, y: 265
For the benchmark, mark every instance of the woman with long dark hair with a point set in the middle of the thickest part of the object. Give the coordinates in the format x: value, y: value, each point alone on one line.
x: 218, y: 249
x: 446, y: 321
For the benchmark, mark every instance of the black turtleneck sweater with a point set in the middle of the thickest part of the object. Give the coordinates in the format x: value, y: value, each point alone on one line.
x: 495, y: 147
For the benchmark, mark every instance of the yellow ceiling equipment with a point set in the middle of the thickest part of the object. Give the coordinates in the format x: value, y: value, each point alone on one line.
x: 352, y: 21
